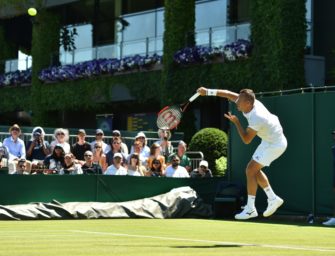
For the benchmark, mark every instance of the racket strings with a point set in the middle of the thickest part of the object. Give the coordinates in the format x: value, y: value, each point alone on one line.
x: 170, y: 117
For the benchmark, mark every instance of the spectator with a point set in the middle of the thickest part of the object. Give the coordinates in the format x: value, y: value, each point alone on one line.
x: 331, y: 221
x: 145, y: 150
x: 156, y: 170
x: 184, y: 159
x: 89, y: 167
x: 166, y: 147
x: 16, y: 148
x: 3, y: 156
x: 202, y: 171
x: 99, y: 137
x: 37, y: 148
x: 115, y: 148
x: 135, y: 167
x: 155, y: 153
x: 137, y: 148
x: 175, y: 170
x: 22, y: 167
x: 70, y: 166
x: 80, y: 147
x: 61, y: 137
x: 98, y: 156
x: 116, y: 168
x: 124, y: 148
x: 55, y: 162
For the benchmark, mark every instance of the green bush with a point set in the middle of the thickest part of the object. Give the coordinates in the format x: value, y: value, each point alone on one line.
x: 212, y: 142
x: 221, y: 166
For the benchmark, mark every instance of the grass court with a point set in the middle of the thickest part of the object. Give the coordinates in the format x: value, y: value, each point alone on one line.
x: 168, y: 237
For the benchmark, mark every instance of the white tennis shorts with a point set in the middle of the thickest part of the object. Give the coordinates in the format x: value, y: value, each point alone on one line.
x: 267, y: 152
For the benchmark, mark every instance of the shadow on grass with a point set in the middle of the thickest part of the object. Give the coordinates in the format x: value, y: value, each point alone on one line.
x: 209, y: 246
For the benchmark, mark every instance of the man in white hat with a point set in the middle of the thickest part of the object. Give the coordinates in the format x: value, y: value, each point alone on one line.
x: 116, y: 168
x: 202, y: 171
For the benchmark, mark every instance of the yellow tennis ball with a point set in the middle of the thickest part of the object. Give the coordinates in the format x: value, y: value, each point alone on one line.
x: 32, y: 11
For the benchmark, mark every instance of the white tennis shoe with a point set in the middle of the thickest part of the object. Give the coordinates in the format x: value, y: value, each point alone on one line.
x: 247, y: 213
x: 273, y: 205
x: 330, y: 222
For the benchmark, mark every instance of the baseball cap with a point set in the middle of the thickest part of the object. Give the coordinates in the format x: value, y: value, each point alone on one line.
x: 203, y: 163
x: 140, y: 134
x: 97, y: 131
x: 116, y: 133
x: 82, y: 131
x: 117, y: 155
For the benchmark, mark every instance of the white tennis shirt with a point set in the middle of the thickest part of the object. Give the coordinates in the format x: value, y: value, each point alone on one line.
x: 266, y: 124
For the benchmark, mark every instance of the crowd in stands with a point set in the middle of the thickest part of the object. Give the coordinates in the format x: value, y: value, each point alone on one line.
x: 98, y: 157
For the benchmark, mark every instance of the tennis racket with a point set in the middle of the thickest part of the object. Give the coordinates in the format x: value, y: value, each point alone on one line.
x: 170, y: 116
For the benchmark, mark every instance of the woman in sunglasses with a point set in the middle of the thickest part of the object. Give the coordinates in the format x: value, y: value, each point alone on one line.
x: 61, y: 137
x: 156, y: 169
x: 135, y: 168
x: 98, y: 155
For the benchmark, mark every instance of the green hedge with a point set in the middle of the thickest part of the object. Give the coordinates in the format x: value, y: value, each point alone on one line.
x: 212, y: 143
x: 278, y: 31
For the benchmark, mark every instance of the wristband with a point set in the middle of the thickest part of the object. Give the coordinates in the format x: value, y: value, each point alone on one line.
x: 211, y: 92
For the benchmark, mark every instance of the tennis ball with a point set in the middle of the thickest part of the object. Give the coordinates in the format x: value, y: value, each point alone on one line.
x: 32, y: 11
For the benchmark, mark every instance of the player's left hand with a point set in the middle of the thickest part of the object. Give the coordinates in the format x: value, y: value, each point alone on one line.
x: 202, y: 91
x: 231, y: 117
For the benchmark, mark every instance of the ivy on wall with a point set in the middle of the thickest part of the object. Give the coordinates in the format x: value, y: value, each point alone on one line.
x: 278, y: 31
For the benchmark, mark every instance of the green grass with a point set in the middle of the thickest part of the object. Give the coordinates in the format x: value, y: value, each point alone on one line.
x: 171, y: 237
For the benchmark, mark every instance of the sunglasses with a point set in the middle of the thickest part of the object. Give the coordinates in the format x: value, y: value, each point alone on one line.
x: 97, y: 147
x: 175, y: 160
x: 202, y: 166
x: 115, y: 134
x: 15, y: 129
x: 156, y: 163
x: 60, y: 133
x: 99, y: 134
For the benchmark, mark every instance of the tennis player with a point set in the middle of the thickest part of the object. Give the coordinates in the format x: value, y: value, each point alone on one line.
x: 266, y: 126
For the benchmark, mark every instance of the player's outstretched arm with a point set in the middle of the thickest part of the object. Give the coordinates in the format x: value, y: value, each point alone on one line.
x: 218, y: 92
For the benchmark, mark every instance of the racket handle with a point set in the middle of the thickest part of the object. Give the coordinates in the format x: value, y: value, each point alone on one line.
x: 196, y: 95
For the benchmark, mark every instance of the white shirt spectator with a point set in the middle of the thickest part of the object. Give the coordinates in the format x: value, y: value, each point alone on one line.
x: 112, y: 170
x: 180, y: 172
x: 16, y: 149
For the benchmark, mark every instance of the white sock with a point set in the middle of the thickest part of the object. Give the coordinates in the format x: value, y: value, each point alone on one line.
x: 251, y: 202
x: 269, y: 192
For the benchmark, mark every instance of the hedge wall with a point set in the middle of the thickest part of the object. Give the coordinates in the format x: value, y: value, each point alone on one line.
x: 278, y: 31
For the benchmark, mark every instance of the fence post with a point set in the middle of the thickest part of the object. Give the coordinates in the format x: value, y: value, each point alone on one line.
x: 210, y: 37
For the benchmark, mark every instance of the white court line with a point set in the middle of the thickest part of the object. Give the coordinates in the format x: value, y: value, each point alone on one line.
x: 209, y: 241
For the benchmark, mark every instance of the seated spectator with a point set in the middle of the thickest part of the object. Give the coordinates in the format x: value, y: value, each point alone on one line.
x: 16, y: 148
x: 99, y: 137
x: 70, y: 166
x: 135, y: 167
x: 55, y: 162
x: 164, y: 135
x: 98, y: 156
x: 115, y: 148
x: 80, y: 147
x: 116, y: 168
x: 124, y: 148
x: 175, y: 170
x: 137, y: 148
x: 184, y: 159
x: 156, y: 170
x: 89, y: 166
x: 145, y: 150
x: 22, y: 167
x: 202, y: 171
x: 3, y: 156
x: 155, y: 153
x: 37, y: 148
x: 61, y: 137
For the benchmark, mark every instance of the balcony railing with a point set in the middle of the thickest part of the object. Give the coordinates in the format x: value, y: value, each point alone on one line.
x: 213, y: 37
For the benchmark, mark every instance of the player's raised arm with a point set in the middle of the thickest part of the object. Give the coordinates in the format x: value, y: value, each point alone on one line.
x: 232, y: 96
